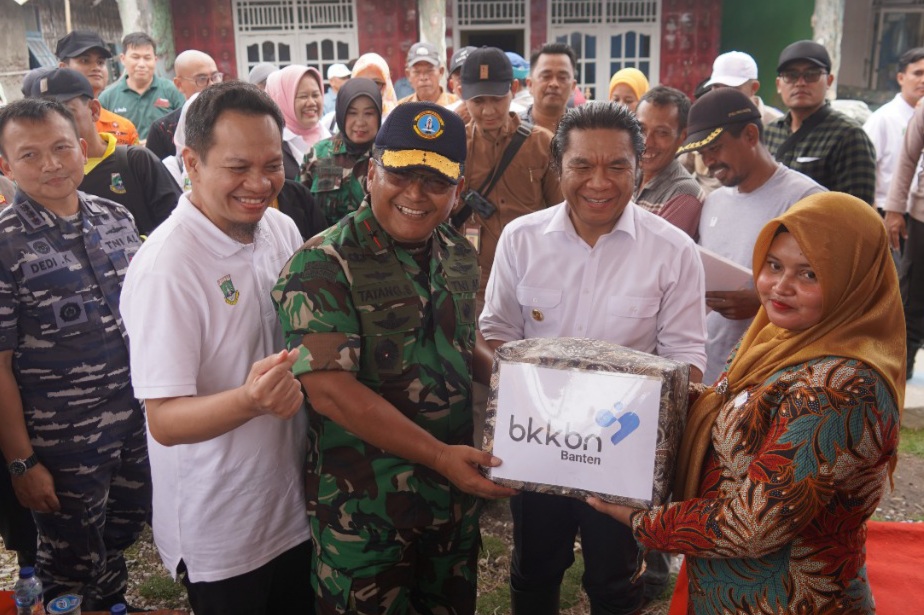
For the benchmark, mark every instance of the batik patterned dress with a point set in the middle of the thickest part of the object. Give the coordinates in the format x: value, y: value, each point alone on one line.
x: 797, y: 467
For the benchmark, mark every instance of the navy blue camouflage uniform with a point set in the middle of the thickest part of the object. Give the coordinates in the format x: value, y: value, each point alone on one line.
x: 60, y: 280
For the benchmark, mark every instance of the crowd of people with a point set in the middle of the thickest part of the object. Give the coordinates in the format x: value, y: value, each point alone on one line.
x: 261, y: 316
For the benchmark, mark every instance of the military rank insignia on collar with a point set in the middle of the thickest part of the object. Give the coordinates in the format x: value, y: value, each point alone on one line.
x: 227, y: 289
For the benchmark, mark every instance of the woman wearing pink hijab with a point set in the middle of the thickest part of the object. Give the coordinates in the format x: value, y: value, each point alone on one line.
x: 299, y: 93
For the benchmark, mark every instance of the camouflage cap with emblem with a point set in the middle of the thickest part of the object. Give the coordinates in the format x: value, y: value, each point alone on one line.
x: 422, y: 135
x: 487, y: 71
x: 715, y: 111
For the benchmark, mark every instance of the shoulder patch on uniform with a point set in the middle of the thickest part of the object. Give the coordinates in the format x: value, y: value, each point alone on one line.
x: 323, y: 270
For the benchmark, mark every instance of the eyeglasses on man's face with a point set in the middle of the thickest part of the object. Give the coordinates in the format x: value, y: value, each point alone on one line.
x: 811, y: 75
x: 431, y: 184
x: 204, y: 80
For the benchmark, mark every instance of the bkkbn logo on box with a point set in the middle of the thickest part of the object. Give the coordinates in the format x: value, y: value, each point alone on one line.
x: 552, y: 435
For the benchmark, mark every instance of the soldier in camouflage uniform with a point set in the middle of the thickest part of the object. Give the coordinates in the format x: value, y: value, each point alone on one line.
x: 334, y: 167
x: 73, y: 432
x: 381, y: 309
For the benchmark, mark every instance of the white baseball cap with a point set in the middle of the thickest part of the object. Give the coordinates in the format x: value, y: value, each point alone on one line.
x: 732, y: 69
x: 338, y: 70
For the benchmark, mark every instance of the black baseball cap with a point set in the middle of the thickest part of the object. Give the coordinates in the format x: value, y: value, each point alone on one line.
x: 423, y: 135
x: 61, y: 84
x: 487, y: 71
x: 31, y: 77
x: 715, y: 111
x: 75, y: 43
x: 458, y: 58
x: 805, y: 50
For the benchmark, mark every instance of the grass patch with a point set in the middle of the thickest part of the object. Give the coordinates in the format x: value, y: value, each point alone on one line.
x: 161, y: 588
x: 494, y: 602
x: 493, y: 583
x: 571, y: 590
x: 912, y: 442
x: 493, y: 573
x: 492, y: 547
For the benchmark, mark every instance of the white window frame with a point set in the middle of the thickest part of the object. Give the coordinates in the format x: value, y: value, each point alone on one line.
x: 296, y: 23
x: 880, y: 14
x: 458, y: 26
x: 605, y: 19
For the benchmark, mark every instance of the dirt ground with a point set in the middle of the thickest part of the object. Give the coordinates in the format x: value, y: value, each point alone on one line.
x: 905, y: 503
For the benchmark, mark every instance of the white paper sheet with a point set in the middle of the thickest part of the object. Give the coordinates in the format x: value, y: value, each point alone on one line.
x: 724, y: 274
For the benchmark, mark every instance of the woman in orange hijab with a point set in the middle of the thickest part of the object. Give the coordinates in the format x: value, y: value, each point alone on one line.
x: 373, y: 66
x: 785, y: 459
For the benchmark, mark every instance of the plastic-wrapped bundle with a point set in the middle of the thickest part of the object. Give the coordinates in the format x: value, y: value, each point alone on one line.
x: 582, y: 417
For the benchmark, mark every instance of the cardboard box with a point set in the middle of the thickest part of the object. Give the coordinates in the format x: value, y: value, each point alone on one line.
x: 582, y: 417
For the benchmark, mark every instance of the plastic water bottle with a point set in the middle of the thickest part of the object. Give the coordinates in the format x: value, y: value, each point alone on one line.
x: 118, y: 609
x: 27, y: 593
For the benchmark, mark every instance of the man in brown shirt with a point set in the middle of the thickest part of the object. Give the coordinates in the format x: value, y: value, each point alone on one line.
x: 526, y: 184
x: 907, y: 197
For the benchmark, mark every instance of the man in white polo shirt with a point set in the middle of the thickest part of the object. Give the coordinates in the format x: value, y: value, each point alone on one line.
x: 227, y: 431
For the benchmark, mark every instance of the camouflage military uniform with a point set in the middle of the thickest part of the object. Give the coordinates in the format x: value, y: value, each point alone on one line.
x: 333, y: 176
x: 60, y: 281
x: 389, y: 534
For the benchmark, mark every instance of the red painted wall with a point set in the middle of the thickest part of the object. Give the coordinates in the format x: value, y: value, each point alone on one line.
x: 388, y: 28
x: 206, y: 25
x: 690, y: 39
x: 538, y: 25
x: 690, y: 34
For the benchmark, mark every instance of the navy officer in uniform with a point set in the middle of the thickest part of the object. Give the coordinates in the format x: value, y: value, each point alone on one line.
x: 73, y: 433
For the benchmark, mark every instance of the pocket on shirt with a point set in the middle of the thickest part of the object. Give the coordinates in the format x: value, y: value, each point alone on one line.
x: 632, y: 315
x: 809, y: 165
x: 329, y: 178
x: 542, y: 308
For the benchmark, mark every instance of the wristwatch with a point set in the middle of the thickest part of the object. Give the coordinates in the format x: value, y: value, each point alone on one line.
x: 18, y: 467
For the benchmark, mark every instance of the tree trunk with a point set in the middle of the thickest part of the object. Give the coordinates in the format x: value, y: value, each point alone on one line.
x: 155, y: 18
x: 828, y: 25
x: 432, y: 25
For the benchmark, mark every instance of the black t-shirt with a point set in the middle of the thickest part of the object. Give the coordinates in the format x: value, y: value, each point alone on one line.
x: 160, y: 136
x: 296, y: 201
x: 133, y: 177
x: 289, y: 163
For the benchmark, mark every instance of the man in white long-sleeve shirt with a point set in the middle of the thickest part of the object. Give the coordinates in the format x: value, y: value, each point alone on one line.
x: 596, y: 266
x: 886, y: 127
